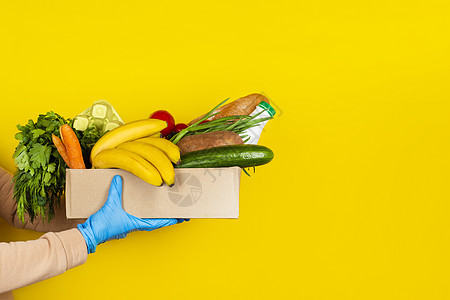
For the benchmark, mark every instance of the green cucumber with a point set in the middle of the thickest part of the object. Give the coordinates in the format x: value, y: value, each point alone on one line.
x: 243, y: 156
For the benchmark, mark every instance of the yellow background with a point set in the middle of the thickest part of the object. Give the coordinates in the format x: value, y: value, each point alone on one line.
x: 356, y: 203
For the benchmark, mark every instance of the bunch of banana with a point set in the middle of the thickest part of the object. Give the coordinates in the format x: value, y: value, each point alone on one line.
x: 137, y: 148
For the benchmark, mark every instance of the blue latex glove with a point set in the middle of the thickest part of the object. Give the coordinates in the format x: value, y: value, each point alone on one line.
x: 112, y: 222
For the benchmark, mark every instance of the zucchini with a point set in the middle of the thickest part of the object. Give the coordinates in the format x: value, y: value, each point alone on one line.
x: 227, y: 156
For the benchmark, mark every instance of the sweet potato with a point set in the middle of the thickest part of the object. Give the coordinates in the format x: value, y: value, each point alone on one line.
x: 242, y: 106
x: 208, y: 140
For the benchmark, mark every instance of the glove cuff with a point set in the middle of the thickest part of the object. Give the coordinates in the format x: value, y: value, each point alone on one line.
x: 86, y: 232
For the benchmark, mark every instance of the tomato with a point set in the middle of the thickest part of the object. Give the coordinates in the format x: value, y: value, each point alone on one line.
x: 179, y: 127
x: 165, y: 116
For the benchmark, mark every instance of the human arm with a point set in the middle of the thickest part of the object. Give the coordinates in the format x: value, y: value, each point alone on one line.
x: 8, y: 209
x: 24, y: 263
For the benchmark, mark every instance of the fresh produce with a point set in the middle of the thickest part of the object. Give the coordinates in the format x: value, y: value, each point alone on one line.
x: 51, y: 144
x: 156, y: 135
x: 128, y: 132
x: 208, y: 140
x: 128, y: 161
x: 241, y: 106
x: 154, y: 156
x: 61, y: 149
x: 72, y: 146
x: 87, y: 140
x: 158, y: 152
x: 170, y: 149
x: 179, y: 127
x: 40, y: 177
x: 165, y: 116
x: 101, y: 115
x: 237, y: 124
x: 227, y: 156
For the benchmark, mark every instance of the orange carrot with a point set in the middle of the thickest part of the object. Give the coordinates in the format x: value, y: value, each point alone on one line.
x: 61, y: 149
x: 61, y: 134
x: 73, y: 147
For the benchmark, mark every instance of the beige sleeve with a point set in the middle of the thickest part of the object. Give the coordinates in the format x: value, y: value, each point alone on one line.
x: 8, y: 209
x: 24, y: 263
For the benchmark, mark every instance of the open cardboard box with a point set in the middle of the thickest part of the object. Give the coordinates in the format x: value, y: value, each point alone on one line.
x: 197, y: 193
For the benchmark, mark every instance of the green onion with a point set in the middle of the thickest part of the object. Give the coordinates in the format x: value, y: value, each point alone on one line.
x: 237, y: 124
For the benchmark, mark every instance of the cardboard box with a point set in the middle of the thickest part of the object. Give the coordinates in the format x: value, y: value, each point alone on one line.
x: 197, y: 193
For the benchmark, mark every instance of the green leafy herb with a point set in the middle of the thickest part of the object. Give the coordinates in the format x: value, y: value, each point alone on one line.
x: 87, y: 140
x: 40, y: 178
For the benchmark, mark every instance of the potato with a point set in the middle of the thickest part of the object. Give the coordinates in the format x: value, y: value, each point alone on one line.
x: 208, y: 140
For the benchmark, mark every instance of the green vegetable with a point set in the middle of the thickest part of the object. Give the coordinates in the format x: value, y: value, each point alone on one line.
x: 237, y: 124
x: 87, y: 140
x: 227, y: 156
x: 40, y: 178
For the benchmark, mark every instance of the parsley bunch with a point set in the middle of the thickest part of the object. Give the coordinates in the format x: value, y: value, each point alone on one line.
x: 41, y: 177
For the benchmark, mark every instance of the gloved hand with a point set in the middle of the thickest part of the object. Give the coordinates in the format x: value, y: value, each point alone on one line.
x: 112, y: 222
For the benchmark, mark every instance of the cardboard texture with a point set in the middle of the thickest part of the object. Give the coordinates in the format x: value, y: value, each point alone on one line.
x: 197, y: 193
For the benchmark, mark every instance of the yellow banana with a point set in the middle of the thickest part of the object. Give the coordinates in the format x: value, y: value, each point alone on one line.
x: 156, y: 135
x: 170, y: 149
x: 129, y: 161
x: 128, y: 132
x: 155, y: 156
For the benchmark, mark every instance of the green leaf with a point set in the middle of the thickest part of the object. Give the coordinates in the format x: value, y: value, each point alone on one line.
x: 51, y: 168
x: 39, y: 155
x: 19, y: 150
x: 47, y: 153
x: 44, y: 123
x: 42, y: 192
x: 47, y: 178
x: 41, y: 201
x: 37, y: 133
x: 23, y: 161
x: 18, y: 136
x: 50, y: 128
